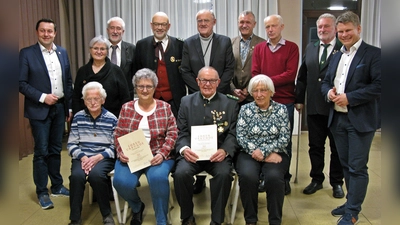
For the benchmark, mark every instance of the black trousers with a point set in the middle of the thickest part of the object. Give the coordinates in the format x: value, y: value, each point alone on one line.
x: 98, y: 180
x: 318, y: 131
x: 220, y: 185
x: 248, y: 170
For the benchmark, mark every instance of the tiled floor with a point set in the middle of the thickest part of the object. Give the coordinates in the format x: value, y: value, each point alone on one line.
x: 298, y: 209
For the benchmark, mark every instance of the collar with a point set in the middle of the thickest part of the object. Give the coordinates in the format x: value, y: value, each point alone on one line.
x: 119, y: 44
x: 249, y: 39
x: 164, y: 40
x: 353, y: 48
x: 209, y: 99
x: 42, y: 48
x: 206, y: 38
x: 280, y: 42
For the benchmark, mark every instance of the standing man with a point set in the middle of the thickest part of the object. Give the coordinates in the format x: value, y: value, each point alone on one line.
x: 206, y: 107
x: 279, y: 59
x: 243, y: 46
x: 121, y: 53
x: 45, y: 81
x: 163, y: 54
x: 353, y: 87
x: 312, y: 72
x: 207, y: 49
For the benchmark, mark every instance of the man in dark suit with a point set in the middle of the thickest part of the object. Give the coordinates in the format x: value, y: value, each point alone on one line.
x: 121, y: 53
x: 312, y: 72
x: 163, y: 54
x: 207, y: 49
x: 45, y: 81
x: 353, y: 86
x: 206, y: 107
x: 243, y: 46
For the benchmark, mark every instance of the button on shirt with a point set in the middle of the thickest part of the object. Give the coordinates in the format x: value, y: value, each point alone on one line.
x: 343, y: 70
x: 55, y: 73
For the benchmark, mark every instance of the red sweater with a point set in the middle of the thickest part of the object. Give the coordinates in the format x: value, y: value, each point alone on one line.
x: 281, y: 66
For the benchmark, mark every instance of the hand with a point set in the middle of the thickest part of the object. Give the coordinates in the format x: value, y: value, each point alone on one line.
x: 299, y: 107
x: 88, y: 163
x: 332, y: 93
x: 50, y: 99
x: 240, y: 94
x: 219, y: 156
x: 340, y: 100
x: 257, y: 155
x: 123, y: 158
x: 189, y: 155
x: 157, y: 159
x: 69, y: 117
x: 273, y: 158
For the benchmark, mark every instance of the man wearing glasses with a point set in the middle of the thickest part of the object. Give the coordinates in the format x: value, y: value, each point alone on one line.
x: 163, y: 54
x: 206, y: 107
x: 207, y: 49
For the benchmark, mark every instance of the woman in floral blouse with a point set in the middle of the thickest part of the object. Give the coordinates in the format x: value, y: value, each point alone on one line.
x: 263, y: 131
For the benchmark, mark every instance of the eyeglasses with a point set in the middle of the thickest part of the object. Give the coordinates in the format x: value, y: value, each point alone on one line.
x: 142, y: 87
x: 204, y: 81
x: 160, y: 24
x: 205, y: 21
x: 90, y: 100
x: 97, y: 49
x: 261, y: 91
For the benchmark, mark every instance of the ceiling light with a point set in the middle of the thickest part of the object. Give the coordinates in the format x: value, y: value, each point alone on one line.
x: 337, y: 8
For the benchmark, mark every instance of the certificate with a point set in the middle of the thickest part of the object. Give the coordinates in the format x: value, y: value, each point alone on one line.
x: 204, y: 141
x: 134, y: 145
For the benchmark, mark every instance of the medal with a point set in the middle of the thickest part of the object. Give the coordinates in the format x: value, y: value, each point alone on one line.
x: 172, y: 59
x: 220, y: 129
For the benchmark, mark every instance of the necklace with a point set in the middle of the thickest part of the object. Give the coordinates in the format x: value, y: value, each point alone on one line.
x: 209, y: 42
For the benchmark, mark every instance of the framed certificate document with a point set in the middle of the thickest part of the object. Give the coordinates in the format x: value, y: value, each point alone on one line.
x: 204, y: 141
x: 134, y: 145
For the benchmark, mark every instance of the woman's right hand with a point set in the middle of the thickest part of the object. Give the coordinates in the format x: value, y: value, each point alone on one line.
x: 257, y: 155
x: 123, y: 158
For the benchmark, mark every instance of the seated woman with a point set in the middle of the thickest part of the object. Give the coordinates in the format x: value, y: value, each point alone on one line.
x: 91, y: 145
x: 158, y: 123
x: 263, y: 132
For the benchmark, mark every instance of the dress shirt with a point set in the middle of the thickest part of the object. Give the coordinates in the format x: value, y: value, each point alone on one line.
x: 118, y: 53
x: 164, y: 43
x: 54, y: 69
x: 329, y: 50
x: 244, y: 48
x: 277, y: 46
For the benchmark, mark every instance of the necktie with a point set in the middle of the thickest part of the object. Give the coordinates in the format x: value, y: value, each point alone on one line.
x: 323, y: 56
x: 159, y: 50
x: 114, y: 54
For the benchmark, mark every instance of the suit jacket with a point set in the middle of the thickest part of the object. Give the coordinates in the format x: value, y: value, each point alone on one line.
x: 310, y: 77
x: 34, y: 80
x: 192, y: 113
x: 221, y: 59
x: 172, y: 58
x: 242, y: 73
x: 127, y: 63
x: 363, y: 87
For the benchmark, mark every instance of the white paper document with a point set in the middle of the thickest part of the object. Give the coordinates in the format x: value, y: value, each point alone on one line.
x: 204, y: 141
x: 134, y: 145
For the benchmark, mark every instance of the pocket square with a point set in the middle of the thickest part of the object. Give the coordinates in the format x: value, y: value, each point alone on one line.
x: 361, y: 65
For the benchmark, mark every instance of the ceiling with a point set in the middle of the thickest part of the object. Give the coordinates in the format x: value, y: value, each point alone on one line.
x: 324, y: 4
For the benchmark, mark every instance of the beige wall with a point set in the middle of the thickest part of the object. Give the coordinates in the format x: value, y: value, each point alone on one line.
x: 290, y: 10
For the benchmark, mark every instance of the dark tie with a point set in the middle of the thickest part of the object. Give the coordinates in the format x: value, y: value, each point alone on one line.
x: 159, y: 49
x: 323, y: 56
x: 114, y: 54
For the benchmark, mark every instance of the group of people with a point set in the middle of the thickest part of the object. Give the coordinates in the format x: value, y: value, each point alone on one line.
x: 246, y: 86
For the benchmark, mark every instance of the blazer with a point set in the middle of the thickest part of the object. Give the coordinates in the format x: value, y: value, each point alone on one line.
x: 172, y: 58
x: 363, y: 88
x: 221, y: 59
x: 34, y: 80
x: 127, y: 64
x: 192, y: 113
x: 310, y: 78
x: 242, y: 73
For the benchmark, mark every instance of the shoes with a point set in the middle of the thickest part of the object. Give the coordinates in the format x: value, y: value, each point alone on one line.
x: 63, y: 192
x: 108, y: 220
x: 198, y: 185
x: 74, y: 222
x: 312, y: 188
x: 137, y: 218
x: 214, y: 223
x: 337, y: 191
x: 288, y: 189
x: 339, y: 211
x: 348, y: 219
x: 189, y: 221
x: 261, y: 186
x: 45, y: 202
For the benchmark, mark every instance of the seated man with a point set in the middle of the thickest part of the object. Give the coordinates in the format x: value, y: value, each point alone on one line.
x: 91, y: 145
x: 206, y: 107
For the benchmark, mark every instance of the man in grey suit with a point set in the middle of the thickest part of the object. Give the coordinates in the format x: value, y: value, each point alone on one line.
x: 45, y: 81
x: 207, y: 49
x: 311, y: 73
x: 352, y: 85
x: 242, y: 47
x: 121, y: 53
